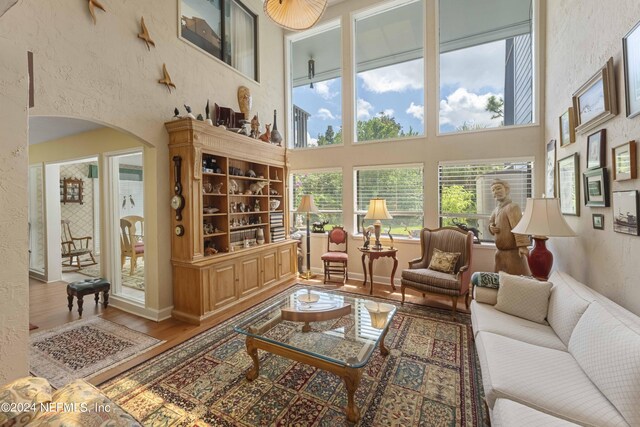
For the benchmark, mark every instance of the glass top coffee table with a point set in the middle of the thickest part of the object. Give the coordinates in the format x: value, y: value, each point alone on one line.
x: 331, y: 331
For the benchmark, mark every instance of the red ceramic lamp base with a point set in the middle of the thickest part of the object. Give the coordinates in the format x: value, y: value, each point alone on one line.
x: 540, y: 259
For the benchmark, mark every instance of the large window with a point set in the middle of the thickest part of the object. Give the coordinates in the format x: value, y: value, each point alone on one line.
x: 401, y: 186
x: 326, y: 188
x: 317, y: 88
x: 465, y: 191
x: 389, y: 58
x: 225, y: 29
x: 486, y: 66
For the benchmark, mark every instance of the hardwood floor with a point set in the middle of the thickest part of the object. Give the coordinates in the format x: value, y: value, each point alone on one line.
x: 48, y: 309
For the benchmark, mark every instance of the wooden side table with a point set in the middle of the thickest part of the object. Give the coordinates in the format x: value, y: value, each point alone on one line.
x: 374, y: 254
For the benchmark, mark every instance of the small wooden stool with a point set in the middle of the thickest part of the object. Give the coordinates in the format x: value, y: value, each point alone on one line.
x: 86, y: 287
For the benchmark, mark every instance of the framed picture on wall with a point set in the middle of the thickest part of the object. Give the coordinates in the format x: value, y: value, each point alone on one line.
x: 567, y: 128
x: 598, y: 221
x: 631, y: 55
x: 595, y: 101
x: 596, y: 149
x: 624, y: 161
x: 625, y: 212
x: 550, y: 180
x: 596, y: 188
x: 569, y: 184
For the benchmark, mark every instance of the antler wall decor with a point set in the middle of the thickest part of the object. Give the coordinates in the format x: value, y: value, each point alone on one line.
x: 92, y: 9
x: 144, y: 35
x: 167, y: 79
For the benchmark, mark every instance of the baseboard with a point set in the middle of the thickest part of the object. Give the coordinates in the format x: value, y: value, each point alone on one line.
x: 139, y: 309
x: 378, y: 280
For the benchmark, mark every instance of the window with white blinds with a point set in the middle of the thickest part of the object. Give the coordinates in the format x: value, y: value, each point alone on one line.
x: 465, y: 191
x: 326, y: 188
x: 401, y: 186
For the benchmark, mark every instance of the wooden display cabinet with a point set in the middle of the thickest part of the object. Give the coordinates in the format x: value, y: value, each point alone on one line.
x: 224, y: 249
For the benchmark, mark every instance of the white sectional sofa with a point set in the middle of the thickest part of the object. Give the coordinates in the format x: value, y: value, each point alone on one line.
x: 581, y: 368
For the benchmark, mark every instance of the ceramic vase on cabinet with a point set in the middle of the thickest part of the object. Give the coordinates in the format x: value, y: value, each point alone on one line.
x: 260, y: 236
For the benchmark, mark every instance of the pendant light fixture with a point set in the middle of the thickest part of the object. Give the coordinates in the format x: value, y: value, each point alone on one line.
x: 312, y: 71
x: 295, y: 14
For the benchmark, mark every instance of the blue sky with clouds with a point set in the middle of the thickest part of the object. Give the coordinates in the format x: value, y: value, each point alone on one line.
x: 468, y: 77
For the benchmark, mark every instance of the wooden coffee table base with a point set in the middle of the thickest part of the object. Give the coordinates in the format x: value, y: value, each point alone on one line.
x: 350, y: 376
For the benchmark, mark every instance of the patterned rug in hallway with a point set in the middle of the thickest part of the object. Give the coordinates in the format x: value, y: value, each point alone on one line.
x: 84, y: 348
x: 430, y: 378
x: 135, y: 281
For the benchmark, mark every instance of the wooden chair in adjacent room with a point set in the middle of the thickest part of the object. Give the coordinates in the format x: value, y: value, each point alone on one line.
x: 75, y: 247
x: 439, y: 270
x: 131, y: 240
x: 336, y: 259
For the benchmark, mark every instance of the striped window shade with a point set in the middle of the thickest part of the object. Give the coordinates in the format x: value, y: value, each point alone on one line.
x: 402, y: 186
x: 326, y: 188
x: 465, y: 190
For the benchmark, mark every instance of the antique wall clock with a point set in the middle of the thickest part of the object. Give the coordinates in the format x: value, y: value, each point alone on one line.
x: 177, y: 201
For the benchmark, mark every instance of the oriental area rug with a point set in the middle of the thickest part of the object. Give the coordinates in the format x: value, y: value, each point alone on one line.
x: 84, y: 348
x: 430, y: 378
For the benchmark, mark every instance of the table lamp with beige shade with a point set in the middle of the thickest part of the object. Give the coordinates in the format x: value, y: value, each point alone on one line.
x: 308, y: 206
x: 377, y: 211
x: 542, y: 219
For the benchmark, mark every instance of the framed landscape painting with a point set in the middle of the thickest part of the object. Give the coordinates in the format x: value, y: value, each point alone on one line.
x: 595, y: 102
x: 569, y: 185
x: 625, y: 212
x: 567, y: 128
x: 550, y: 180
x: 624, y: 161
x: 596, y: 188
x: 631, y: 55
x: 596, y: 149
x: 598, y: 221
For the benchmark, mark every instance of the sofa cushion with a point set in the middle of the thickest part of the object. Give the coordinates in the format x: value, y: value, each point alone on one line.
x: 566, y: 307
x: 508, y: 413
x: 486, y: 318
x: 545, y: 379
x: 92, y: 408
x: 523, y: 297
x: 443, y: 261
x: 21, y: 394
x: 485, y: 295
x: 431, y: 277
x: 609, y: 352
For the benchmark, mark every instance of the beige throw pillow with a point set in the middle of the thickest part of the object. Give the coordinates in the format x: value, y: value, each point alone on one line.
x: 443, y: 261
x: 523, y: 297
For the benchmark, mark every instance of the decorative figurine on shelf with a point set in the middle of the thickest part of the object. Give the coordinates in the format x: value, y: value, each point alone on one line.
x: 176, y: 113
x: 256, y: 187
x: 210, y: 248
x: 276, y: 138
x: 250, y: 173
x: 233, y: 186
x: 217, y: 189
x: 390, y: 237
x: 273, y: 192
x: 255, y: 127
x: 200, y: 118
x: 276, y: 177
x: 511, y: 254
x: 266, y: 136
x: 244, y: 100
x: 366, y: 235
x: 233, y: 207
x: 207, y: 110
x: 189, y: 113
x: 256, y: 206
x: 318, y: 227
x: 245, y: 127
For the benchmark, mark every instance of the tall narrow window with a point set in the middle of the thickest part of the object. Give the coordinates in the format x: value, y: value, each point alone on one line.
x: 465, y: 191
x: 326, y: 188
x: 389, y: 58
x: 486, y: 64
x: 316, y: 78
x: 225, y: 29
x: 401, y: 186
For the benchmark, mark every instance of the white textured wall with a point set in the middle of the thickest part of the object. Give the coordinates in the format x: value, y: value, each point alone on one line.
x: 104, y: 73
x: 14, y: 258
x: 581, y: 36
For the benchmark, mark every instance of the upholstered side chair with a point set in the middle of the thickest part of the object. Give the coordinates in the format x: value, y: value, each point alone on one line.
x: 336, y: 259
x: 454, y: 283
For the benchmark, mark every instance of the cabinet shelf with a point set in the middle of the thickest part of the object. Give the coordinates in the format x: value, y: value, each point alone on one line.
x: 214, y: 214
x: 222, y: 233
x: 244, y: 227
x: 247, y: 178
x: 213, y: 194
x: 248, y: 195
x: 213, y: 174
x: 248, y: 213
